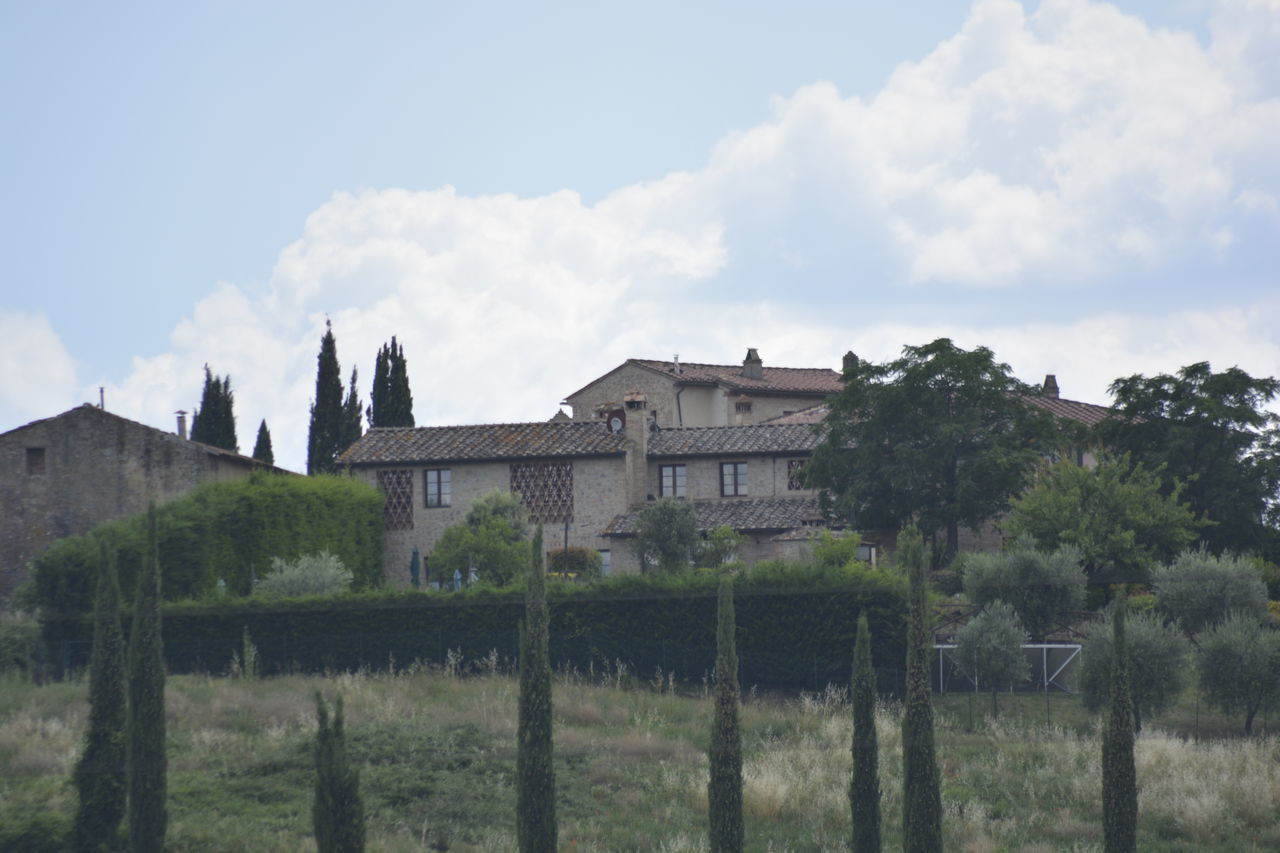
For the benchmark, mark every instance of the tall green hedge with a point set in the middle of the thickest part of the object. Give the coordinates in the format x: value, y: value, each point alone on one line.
x: 790, y: 635
x: 226, y: 531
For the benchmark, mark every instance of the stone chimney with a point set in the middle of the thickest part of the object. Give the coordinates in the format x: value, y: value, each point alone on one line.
x: 850, y: 362
x: 182, y: 423
x: 1051, y: 386
x: 637, y: 434
x: 752, y: 366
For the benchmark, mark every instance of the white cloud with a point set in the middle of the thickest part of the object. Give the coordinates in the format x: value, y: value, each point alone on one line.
x: 37, y: 374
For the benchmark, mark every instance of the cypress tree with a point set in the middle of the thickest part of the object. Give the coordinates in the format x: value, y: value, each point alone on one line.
x: 724, y: 788
x: 99, y: 775
x: 337, y: 813
x: 390, y: 401
x: 921, y: 786
x: 1119, y: 776
x: 864, y: 787
x: 262, y: 447
x: 351, y: 427
x: 145, y: 762
x: 214, y: 421
x: 325, y: 430
x: 535, y: 775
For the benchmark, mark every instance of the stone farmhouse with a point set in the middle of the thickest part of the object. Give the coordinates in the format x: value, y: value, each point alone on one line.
x: 64, y: 475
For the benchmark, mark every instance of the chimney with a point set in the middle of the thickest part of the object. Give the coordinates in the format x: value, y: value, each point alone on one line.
x: 1051, y: 386
x: 752, y: 366
x: 182, y: 423
x: 675, y: 364
x: 850, y: 362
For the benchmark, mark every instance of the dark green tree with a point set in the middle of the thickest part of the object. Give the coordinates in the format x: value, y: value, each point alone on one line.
x: 724, y: 787
x: 535, y: 773
x: 1240, y: 666
x: 1117, y: 514
x: 1198, y: 590
x: 100, y: 772
x: 989, y: 650
x: 352, y: 427
x: 490, y: 540
x: 337, y: 812
x: 1119, y: 775
x: 214, y: 422
x: 1213, y: 433
x: 390, y: 401
x: 1159, y: 656
x: 262, y: 447
x: 325, y: 434
x: 146, y: 764
x: 1040, y: 587
x: 864, y: 786
x: 941, y: 437
x: 921, y: 785
x: 666, y: 535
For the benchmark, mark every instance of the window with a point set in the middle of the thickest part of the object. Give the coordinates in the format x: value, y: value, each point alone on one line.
x: 742, y: 408
x: 794, y: 482
x: 733, y: 478
x: 546, y: 489
x: 35, y: 460
x: 606, y: 563
x: 671, y: 481
x: 397, y: 512
x: 438, y: 486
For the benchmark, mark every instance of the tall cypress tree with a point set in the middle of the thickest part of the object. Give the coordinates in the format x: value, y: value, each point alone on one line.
x: 100, y: 775
x: 535, y: 775
x: 214, y: 421
x: 864, y: 787
x: 325, y: 432
x: 724, y: 788
x: 351, y: 425
x: 921, y: 786
x: 337, y: 812
x: 1119, y: 776
x: 390, y: 401
x: 145, y: 762
x: 262, y: 447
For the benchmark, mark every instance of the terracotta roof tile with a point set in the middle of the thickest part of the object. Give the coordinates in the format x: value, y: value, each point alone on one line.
x: 1088, y: 414
x: 538, y: 440
x: 740, y: 514
x: 757, y: 438
x: 794, y: 380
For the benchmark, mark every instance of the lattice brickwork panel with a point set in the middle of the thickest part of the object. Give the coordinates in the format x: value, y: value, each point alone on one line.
x: 397, y: 513
x: 546, y: 489
x: 793, y: 474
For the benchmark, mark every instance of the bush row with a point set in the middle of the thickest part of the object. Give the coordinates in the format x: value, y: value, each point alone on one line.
x: 226, y: 532
x: 789, y: 634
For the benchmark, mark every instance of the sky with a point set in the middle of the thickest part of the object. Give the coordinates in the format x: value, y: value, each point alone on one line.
x: 526, y: 195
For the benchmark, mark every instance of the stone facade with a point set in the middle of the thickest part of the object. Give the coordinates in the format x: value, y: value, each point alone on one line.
x: 64, y: 475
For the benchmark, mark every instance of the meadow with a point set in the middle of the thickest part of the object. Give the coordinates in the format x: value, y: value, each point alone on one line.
x: 436, y: 754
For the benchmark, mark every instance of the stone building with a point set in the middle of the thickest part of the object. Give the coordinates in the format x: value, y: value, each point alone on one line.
x: 64, y: 475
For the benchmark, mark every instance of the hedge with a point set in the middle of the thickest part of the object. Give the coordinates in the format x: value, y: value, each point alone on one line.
x: 228, y: 532
x: 789, y: 636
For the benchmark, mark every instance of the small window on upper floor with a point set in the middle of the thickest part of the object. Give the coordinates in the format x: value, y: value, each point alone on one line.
x: 742, y: 408
x: 794, y: 481
x: 438, y: 487
x: 671, y: 481
x: 733, y: 478
x: 35, y: 460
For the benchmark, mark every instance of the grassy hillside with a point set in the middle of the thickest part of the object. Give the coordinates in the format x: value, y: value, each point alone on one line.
x: 436, y: 757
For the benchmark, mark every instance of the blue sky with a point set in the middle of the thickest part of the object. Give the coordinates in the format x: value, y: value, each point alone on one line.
x: 527, y: 196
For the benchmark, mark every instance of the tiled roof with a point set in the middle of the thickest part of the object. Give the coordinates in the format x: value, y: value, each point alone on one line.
x: 811, y: 415
x: 793, y: 380
x: 758, y: 438
x: 740, y: 514
x: 538, y: 440
x: 1088, y: 414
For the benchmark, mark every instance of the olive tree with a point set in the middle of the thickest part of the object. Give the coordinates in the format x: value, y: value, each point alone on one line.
x: 1198, y: 589
x: 1159, y: 656
x: 1040, y: 586
x: 1240, y: 666
x: 666, y: 534
x: 989, y: 650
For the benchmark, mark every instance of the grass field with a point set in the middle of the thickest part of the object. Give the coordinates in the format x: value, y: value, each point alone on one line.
x: 436, y: 757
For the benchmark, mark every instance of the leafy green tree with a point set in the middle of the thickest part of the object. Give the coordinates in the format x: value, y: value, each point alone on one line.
x: 262, y: 447
x: 1198, y: 589
x: 1159, y: 661
x: 666, y: 534
x: 146, y: 765
x: 337, y: 812
x: 1213, y: 433
x: 535, y: 772
x: 838, y: 552
x: 351, y: 426
x: 921, y: 785
x: 864, y: 784
x: 1240, y: 666
x: 989, y: 650
x: 390, y: 401
x: 1117, y: 514
x: 100, y: 772
x: 1040, y: 587
x: 214, y: 422
x: 940, y: 436
x: 324, y: 437
x: 1119, y: 774
x: 490, y: 540
x: 724, y: 787
x: 721, y: 546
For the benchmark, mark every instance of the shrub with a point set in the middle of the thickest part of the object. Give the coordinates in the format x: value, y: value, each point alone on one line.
x: 337, y: 813
x: 720, y: 546
x: 19, y: 643
x: 310, y: 574
x: 1240, y: 666
x: 666, y: 535
x: 1199, y: 589
x: 1158, y: 664
x: 33, y: 832
x: 989, y: 649
x: 1039, y: 586
x: 585, y: 563
x: 490, y: 540
x: 837, y: 552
